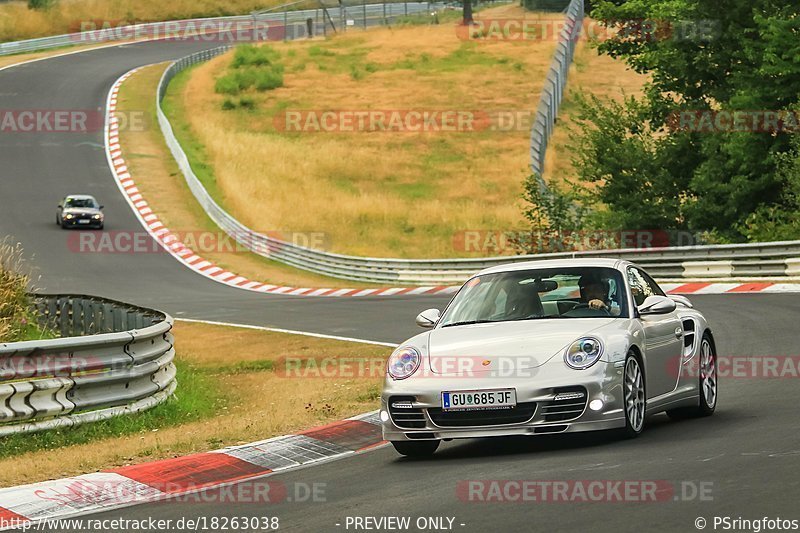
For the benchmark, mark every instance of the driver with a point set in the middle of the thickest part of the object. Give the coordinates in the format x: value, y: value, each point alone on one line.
x: 594, y: 293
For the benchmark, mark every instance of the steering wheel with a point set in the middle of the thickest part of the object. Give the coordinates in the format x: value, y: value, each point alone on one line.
x: 584, y: 305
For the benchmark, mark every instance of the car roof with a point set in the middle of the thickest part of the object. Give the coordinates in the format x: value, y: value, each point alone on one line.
x: 598, y: 262
x: 80, y: 197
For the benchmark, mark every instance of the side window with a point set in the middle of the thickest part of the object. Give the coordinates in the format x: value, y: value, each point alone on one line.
x: 652, y: 283
x: 642, y: 285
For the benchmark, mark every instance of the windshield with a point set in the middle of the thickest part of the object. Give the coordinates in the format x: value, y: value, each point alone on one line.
x: 591, y: 292
x: 80, y: 202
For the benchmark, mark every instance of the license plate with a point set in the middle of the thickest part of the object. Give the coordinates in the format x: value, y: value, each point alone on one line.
x: 479, y: 399
x: 84, y: 221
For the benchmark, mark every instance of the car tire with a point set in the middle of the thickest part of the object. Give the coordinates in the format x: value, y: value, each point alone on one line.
x: 634, y: 396
x: 708, y: 386
x: 416, y: 448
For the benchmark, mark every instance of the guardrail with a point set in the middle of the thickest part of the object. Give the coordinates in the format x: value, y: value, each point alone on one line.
x: 291, y: 24
x: 117, y: 359
x: 760, y: 260
x: 554, y: 85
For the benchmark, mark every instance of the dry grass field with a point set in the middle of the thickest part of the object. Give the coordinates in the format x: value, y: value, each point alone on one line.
x: 17, y: 22
x: 247, y: 396
x: 594, y: 74
x: 160, y: 181
x: 395, y: 194
x: 398, y: 194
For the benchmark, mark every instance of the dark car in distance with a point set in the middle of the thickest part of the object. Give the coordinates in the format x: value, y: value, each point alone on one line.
x: 80, y: 210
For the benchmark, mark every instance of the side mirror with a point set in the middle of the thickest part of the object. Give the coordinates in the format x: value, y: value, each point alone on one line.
x: 657, y: 305
x: 428, y: 318
x: 101, y: 207
x: 683, y: 300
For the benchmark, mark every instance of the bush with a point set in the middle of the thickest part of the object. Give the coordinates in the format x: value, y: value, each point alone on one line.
x: 315, y: 51
x: 15, y: 313
x: 228, y: 105
x: 356, y: 74
x: 249, y: 55
x: 40, y: 4
x: 227, y: 84
x: 247, y: 102
x: 267, y: 80
x: 252, y: 67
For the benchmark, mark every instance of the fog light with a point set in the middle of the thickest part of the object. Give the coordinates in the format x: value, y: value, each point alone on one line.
x: 384, y: 416
x: 596, y: 405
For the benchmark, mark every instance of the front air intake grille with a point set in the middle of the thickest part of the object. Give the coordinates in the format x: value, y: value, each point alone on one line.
x: 484, y: 417
x: 569, y: 403
x: 405, y: 416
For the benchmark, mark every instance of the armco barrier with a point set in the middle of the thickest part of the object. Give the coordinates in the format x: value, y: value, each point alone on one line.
x: 738, y: 261
x: 760, y: 260
x: 554, y: 85
x: 290, y: 24
x: 117, y: 359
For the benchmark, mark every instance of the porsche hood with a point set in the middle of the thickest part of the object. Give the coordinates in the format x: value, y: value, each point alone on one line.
x: 514, y: 345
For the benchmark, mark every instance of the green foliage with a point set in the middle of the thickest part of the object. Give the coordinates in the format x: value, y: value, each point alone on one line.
x: 247, y: 102
x: 636, y: 173
x: 17, y: 320
x: 704, y: 56
x: 248, y: 55
x: 356, y: 74
x: 251, y: 67
x: 196, y: 398
x: 779, y: 221
x: 552, y: 213
x: 40, y: 4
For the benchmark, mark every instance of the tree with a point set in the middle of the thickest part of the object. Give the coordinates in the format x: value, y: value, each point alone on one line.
x: 702, y: 57
x: 467, y: 20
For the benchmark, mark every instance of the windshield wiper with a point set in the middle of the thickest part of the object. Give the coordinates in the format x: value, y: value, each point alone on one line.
x: 470, y: 322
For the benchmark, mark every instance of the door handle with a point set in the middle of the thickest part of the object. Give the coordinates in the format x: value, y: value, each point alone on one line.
x: 679, y: 332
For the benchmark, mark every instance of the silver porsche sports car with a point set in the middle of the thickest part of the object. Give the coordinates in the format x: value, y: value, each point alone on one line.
x: 547, y: 347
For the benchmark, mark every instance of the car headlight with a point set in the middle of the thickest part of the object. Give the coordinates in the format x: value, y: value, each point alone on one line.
x: 583, y: 353
x: 97, y: 216
x: 403, y: 362
x: 69, y: 216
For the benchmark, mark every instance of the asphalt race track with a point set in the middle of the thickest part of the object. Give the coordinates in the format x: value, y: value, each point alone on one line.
x: 748, y: 452
x: 38, y: 169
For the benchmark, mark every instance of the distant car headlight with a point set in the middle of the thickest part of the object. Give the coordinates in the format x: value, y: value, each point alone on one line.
x: 98, y: 216
x: 403, y: 362
x: 69, y: 216
x: 583, y: 353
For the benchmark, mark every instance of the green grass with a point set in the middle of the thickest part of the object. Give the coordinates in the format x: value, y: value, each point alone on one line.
x: 195, y: 151
x: 197, y: 397
x: 252, y: 67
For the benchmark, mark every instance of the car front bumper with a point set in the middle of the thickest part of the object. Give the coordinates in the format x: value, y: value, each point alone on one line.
x: 539, y: 393
x: 74, y: 223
